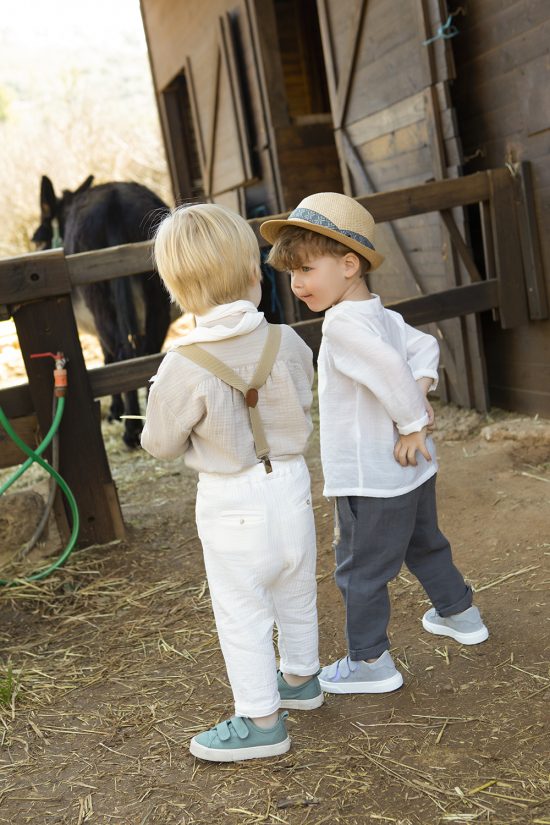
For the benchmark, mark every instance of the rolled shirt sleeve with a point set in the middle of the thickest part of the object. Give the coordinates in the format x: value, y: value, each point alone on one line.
x: 422, y: 355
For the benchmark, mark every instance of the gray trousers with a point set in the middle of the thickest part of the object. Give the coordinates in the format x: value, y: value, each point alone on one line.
x: 376, y: 535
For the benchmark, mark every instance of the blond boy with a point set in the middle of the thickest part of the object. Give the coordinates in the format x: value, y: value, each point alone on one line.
x: 254, y: 512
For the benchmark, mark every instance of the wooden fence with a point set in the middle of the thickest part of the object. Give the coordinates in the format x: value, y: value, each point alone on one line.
x: 35, y: 290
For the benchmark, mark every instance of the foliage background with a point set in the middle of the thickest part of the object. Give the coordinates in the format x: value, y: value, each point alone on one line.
x: 76, y: 98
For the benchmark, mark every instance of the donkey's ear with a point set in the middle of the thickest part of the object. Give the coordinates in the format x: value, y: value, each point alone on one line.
x: 85, y: 185
x: 48, y: 200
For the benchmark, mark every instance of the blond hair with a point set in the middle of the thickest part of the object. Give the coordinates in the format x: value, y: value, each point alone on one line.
x: 296, y: 245
x: 206, y: 255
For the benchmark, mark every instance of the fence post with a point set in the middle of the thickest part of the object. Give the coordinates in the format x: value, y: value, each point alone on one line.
x: 48, y: 326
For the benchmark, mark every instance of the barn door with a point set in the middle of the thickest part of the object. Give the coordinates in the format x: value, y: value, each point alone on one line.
x: 395, y: 127
x: 219, y: 116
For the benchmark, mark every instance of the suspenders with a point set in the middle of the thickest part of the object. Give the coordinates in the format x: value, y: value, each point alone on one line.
x: 250, y: 391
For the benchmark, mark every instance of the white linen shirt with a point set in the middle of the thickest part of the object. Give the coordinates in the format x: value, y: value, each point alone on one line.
x: 192, y: 413
x: 368, y: 365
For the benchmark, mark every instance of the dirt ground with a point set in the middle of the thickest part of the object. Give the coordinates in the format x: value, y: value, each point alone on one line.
x: 115, y: 665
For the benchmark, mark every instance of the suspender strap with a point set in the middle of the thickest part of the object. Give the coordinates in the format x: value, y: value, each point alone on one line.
x: 250, y: 391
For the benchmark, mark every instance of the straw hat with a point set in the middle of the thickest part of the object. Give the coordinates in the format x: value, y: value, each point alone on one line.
x: 333, y: 215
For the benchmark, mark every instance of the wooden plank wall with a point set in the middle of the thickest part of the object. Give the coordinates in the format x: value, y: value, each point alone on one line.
x: 395, y: 127
x: 502, y: 96
x: 212, y: 44
x: 288, y: 42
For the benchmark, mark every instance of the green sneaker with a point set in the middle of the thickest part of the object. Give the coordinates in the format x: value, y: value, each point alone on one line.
x: 305, y: 697
x: 239, y: 738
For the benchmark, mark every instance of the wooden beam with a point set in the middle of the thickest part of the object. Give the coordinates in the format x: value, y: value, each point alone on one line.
x: 460, y: 246
x: 195, y: 114
x: 209, y: 175
x: 533, y: 269
x: 16, y: 401
x: 136, y: 372
x: 124, y: 375
x: 27, y: 429
x: 345, y: 79
x: 328, y: 52
x: 49, y: 326
x: 452, y: 303
x: 42, y: 274
x: 427, y: 197
x: 513, y: 309
x: 417, y: 200
x: 47, y: 274
x: 113, y: 262
x: 33, y: 276
x: 227, y: 46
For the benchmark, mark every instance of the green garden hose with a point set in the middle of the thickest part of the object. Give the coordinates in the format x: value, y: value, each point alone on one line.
x: 36, y: 456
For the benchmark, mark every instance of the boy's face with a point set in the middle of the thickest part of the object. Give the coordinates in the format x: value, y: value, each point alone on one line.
x: 321, y: 282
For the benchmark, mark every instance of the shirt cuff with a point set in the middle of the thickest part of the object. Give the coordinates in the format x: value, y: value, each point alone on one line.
x: 415, y: 426
x: 428, y: 374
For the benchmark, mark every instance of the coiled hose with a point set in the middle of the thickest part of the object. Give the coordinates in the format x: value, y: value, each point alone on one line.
x: 35, y: 456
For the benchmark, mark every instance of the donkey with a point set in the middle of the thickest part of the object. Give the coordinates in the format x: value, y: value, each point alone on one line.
x: 130, y: 316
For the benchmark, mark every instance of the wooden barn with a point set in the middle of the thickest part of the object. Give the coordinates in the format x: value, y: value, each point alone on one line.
x: 265, y: 101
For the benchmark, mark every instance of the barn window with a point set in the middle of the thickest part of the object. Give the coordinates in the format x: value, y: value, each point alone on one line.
x: 182, y: 140
x: 301, y: 53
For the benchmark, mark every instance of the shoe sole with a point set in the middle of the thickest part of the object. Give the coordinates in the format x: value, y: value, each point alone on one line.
x: 303, y: 704
x: 383, y: 686
x: 238, y: 754
x: 474, y: 638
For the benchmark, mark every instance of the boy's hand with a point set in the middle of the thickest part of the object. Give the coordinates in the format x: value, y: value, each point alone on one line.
x: 431, y: 417
x: 405, y: 449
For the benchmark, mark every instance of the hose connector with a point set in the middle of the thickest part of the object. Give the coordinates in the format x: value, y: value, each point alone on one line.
x: 59, y: 373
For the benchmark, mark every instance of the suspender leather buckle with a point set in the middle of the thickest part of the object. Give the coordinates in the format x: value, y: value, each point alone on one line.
x: 267, y: 464
x: 251, y: 397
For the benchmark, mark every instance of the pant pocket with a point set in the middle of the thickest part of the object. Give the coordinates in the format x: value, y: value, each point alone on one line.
x: 347, y: 509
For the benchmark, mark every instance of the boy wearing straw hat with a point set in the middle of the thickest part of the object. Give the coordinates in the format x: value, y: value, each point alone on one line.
x: 234, y: 399
x: 378, y: 459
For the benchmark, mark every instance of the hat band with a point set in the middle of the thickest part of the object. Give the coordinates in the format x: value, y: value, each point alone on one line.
x: 315, y: 217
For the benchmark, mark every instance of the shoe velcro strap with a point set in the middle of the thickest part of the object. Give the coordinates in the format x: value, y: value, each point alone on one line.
x: 223, y: 731
x: 241, y: 728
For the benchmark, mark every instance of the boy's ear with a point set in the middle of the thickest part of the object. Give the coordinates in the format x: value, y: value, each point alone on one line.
x: 352, y: 265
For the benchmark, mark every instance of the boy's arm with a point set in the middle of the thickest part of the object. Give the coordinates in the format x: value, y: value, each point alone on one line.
x: 167, y: 426
x: 370, y: 361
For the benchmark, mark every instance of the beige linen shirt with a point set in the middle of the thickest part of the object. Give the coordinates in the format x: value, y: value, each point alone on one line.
x: 192, y: 413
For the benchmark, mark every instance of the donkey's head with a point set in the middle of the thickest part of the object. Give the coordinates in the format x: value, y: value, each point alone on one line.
x: 53, y: 212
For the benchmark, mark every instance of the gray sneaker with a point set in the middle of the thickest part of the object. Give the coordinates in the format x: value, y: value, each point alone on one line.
x: 346, y: 676
x: 305, y: 697
x: 466, y: 627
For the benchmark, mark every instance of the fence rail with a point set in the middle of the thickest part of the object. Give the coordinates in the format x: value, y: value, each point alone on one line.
x: 35, y: 289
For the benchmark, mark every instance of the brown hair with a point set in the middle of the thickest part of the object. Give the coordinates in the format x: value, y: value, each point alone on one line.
x: 295, y: 245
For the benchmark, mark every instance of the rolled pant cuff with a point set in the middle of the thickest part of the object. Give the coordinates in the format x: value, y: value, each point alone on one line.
x: 458, y: 607
x: 288, y: 667
x: 368, y: 652
x: 256, y: 713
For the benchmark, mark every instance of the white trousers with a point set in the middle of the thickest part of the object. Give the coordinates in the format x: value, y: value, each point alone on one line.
x: 258, y: 536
